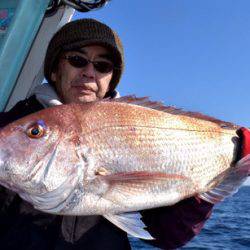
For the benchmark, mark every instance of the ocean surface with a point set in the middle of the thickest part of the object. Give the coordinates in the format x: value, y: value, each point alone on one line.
x: 227, y: 228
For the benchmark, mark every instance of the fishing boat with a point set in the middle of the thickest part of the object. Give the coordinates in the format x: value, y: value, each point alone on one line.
x: 26, y: 27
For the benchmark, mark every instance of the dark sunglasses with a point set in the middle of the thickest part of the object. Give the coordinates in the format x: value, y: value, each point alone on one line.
x: 80, y: 62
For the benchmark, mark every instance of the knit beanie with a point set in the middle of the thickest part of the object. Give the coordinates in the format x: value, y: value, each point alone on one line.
x: 79, y: 33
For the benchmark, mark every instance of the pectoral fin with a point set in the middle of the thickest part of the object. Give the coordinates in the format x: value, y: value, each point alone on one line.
x: 231, y: 184
x: 131, y: 223
x: 137, y: 182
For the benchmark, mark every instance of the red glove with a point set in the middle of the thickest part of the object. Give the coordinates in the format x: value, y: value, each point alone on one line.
x: 244, y: 149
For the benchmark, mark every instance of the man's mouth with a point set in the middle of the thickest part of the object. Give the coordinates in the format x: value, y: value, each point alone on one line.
x: 83, y: 89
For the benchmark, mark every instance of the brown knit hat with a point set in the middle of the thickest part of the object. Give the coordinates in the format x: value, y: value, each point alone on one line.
x: 82, y: 32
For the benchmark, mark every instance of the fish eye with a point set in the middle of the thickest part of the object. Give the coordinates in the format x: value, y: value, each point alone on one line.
x: 36, y: 131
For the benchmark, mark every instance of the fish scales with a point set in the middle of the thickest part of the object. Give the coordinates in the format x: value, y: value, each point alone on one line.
x: 99, y: 157
x: 160, y: 138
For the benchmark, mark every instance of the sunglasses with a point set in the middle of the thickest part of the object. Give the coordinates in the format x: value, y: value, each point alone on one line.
x: 80, y: 62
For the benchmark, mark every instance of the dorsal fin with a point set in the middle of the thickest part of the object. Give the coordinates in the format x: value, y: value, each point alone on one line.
x: 145, y: 102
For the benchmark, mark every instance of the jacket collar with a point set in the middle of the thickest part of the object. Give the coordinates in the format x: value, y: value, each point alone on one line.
x: 46, y: 95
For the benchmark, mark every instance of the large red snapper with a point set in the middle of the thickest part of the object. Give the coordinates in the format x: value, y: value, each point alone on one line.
x: 112, y: 157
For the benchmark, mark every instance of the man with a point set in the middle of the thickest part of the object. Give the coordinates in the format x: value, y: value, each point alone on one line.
x: 84, y: 62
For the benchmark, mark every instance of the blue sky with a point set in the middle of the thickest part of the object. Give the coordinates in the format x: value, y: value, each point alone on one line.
x: 190, y: 54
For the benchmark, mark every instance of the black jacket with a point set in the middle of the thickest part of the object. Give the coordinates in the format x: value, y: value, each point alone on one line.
x: 23, y: 227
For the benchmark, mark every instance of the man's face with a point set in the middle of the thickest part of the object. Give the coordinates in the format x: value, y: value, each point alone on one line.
x: 82, y: 84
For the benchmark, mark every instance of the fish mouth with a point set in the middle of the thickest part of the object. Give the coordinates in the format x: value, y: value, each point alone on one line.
x: 4, y: 168
x: 1, y: 163
x: 5, y: 172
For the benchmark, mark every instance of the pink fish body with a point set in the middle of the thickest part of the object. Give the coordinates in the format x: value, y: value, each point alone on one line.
x: 113, y: 157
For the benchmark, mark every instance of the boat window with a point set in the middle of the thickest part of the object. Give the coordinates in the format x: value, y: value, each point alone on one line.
x: 19, y: 23
x: 7, y: 11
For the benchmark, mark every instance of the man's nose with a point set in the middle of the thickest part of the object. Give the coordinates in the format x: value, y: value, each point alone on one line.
x: 89, y: 70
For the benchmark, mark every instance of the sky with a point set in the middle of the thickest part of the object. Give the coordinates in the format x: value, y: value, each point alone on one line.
x: 190, y: 54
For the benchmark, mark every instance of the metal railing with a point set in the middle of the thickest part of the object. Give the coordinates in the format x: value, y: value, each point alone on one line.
x: 79, y: 5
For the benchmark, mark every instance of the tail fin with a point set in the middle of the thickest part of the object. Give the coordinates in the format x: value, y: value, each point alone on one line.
x: 231, y: 184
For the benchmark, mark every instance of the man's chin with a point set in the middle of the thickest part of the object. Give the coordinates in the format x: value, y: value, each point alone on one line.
x: 86, y: 98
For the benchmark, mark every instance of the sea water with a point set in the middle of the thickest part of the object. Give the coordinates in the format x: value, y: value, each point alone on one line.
x: 227, y: 228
